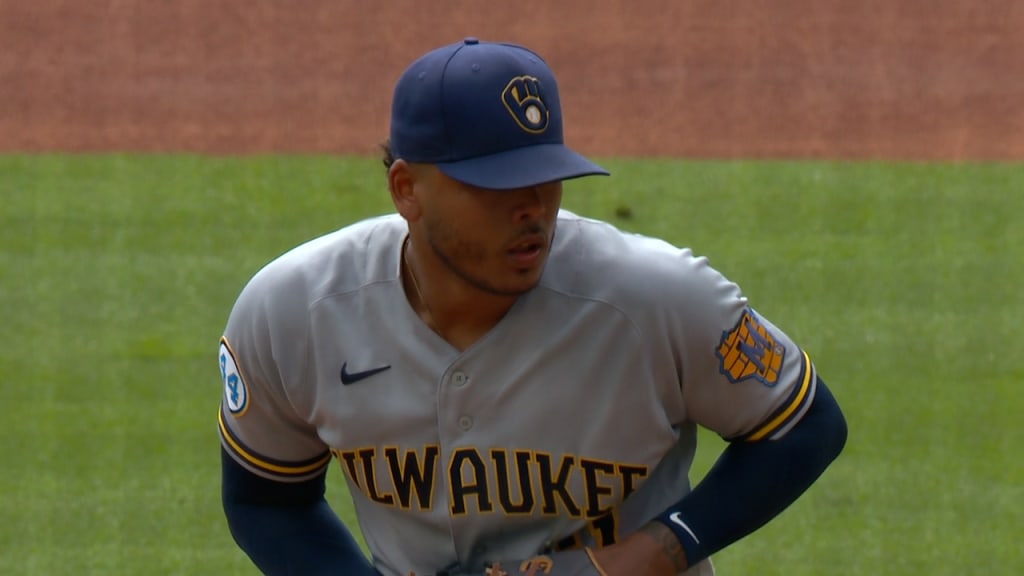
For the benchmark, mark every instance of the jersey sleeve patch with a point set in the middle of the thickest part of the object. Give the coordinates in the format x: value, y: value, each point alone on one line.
x: 236, y: 391
x: 749, y: 351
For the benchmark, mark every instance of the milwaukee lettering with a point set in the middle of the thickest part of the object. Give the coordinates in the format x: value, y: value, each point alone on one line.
x: 513, y: 482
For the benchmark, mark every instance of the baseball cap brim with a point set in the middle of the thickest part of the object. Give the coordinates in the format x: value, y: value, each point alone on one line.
x: 522, y: 167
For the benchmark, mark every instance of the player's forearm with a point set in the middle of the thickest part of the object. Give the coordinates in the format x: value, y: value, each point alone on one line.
x: 285, y: 541
x: 753, y: 482
x: 288, y: 529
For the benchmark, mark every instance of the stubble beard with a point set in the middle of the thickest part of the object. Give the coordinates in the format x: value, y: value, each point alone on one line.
x: 462, y: 254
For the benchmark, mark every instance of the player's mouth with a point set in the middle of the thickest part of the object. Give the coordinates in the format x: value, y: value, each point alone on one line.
x: 527, y: 251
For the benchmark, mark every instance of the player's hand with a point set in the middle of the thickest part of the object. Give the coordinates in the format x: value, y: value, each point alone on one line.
x: 652, y: 551
x: 643, y: 553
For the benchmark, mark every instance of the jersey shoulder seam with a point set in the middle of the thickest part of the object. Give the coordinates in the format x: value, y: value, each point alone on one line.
x: 593, y: 299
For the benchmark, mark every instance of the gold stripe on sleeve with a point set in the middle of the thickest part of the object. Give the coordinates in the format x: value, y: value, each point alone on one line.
x: 263, y: 464
x: 798, y: 400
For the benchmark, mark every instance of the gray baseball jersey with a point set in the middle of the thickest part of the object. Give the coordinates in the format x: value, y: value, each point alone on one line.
x: 572, y: 422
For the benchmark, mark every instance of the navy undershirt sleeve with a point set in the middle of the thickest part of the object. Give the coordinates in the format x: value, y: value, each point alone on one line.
x: 288, y: 528
x: 752, y: 482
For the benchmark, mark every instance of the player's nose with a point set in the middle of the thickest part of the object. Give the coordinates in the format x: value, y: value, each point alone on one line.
x: 533, y: 202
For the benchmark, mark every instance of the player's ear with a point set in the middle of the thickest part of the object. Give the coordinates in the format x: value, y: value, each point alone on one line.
x: 402, y: 185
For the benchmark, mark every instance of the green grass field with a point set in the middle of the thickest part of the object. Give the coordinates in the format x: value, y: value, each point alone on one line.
x: 902, y: 281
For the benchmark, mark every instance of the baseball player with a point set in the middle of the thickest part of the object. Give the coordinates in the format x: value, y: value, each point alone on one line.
x: 506, y: 387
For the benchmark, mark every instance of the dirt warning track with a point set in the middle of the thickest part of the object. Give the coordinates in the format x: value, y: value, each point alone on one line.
x: 913, y: 79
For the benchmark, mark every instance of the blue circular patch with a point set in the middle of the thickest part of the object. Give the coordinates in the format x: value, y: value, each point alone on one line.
x: 236, y: 393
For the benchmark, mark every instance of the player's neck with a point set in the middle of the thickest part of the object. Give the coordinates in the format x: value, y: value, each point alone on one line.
x: 453, y: 308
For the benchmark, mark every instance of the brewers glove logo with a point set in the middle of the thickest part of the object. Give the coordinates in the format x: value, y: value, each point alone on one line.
x: 749, y: 350
x: 523, y: 100
x: 236, y: 394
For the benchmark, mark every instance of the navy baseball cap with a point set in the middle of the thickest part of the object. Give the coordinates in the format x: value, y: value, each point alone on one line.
x: 486, y: 114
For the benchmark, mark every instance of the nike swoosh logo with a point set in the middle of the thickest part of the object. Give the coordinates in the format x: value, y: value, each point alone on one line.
x: 676, y: 519
x: 353, y: 377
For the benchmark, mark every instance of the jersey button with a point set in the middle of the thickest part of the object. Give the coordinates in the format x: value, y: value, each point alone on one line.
x: 465, y: 423
x: 459, y: 379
